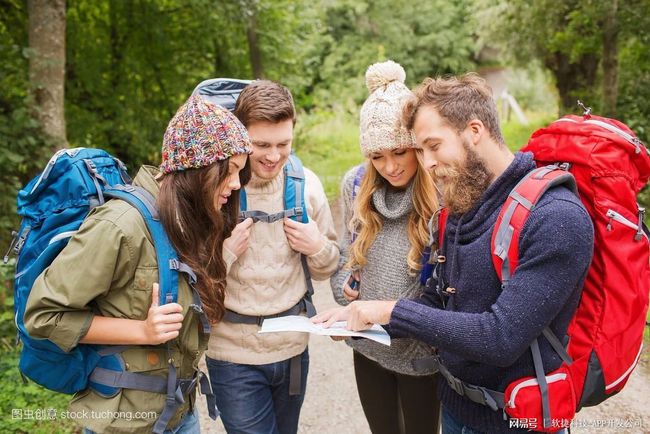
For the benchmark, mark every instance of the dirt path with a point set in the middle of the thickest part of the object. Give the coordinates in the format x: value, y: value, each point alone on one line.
x: 332, y: 404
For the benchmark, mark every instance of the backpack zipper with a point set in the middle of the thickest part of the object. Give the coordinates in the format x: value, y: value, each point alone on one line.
x: 51, y: 163
x: 61, y: 236
x: 58, y: 237
x: 611, y: 128
x: 613, y: 215
x: 640, y: 232
x: 533, y: 382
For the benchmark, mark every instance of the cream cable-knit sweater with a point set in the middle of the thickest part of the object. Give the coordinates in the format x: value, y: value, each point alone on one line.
x: 268, y: 277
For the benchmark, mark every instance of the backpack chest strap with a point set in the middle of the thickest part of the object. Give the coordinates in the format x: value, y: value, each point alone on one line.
x: 261, y: 216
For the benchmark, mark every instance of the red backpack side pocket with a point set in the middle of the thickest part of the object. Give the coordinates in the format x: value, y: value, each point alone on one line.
x: 523, y: 401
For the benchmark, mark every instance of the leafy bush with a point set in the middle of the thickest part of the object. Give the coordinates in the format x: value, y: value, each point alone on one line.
x: 28, y: 407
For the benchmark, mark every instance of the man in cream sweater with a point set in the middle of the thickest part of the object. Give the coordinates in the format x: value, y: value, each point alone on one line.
x: 260, y: 379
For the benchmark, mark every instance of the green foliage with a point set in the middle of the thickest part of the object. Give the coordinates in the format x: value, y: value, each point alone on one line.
x: 28, y: 407
x: 364, y: 32
x: 567, y: 38
x: 516, y: 135
x: 328, y: 144
x: 7, y: 325
x: 634, y: 92
x: 23, y: 148
x: 533, y: 89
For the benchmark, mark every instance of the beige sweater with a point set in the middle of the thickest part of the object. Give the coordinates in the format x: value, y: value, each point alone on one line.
x: 268, y: 277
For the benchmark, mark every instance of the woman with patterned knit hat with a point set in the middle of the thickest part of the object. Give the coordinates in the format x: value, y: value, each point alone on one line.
x: 388, y: 216
x: 103, y: 287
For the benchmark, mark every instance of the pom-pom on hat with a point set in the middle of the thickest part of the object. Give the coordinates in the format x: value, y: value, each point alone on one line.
x: 380, y: 126
x: 200, y: 134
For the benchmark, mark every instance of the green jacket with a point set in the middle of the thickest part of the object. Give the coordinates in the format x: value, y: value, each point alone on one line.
x: 108, y: 268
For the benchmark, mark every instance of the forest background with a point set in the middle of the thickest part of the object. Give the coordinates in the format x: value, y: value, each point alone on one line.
x: 111, y: 74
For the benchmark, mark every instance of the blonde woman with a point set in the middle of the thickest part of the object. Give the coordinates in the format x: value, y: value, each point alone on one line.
x: 388, y: 203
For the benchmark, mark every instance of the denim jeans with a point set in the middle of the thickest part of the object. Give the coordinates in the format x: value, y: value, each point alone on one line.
x: 451, y: 425
x: 254, y: 399
x: 189, y: 424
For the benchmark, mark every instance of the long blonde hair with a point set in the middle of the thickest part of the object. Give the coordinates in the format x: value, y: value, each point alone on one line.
x: 366, y: 222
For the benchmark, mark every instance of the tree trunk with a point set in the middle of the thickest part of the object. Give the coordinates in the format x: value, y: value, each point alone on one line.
x: 253, y: 45
x: 573, y: 80
x: 610, y: 60
x: 47, y: 65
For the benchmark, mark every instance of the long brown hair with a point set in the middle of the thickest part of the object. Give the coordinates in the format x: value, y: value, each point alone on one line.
x: 367, y: 222
x: 197, y: 229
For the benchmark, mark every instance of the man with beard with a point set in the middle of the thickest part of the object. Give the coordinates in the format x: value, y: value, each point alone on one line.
x: 483, y: 330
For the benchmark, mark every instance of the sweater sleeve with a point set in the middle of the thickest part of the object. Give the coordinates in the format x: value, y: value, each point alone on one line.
x: 547, y: 275
x: 323, y: 263
x: 341, y: 276
x: 59, y: 304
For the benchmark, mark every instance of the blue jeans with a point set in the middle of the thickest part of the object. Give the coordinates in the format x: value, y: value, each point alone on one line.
x: 451, y: 425
x: 189, y: 424
x: 254, y: 399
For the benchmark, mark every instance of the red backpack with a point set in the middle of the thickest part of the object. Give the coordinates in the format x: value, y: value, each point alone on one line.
x: 609, y: 165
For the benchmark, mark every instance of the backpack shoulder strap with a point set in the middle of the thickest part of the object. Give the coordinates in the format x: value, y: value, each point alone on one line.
x: 294, y: 197
x: 358, y: 178
x: 294, y: 189
x: 429, y: 256
x: 167, y: 258
x: 243, y: 201
x: 294, y: 205
x: 515, y: 211
x: 356, y: 186
x: 442, y: 223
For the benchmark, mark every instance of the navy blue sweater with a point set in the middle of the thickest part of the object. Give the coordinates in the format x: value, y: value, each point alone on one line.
x: 484, y: 335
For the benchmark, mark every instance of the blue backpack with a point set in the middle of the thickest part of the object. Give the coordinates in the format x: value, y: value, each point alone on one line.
x: 52, y: 206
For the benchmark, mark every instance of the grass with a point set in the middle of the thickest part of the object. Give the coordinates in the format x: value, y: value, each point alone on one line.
x: 517, y: 135
x: 29, y: 408
x: 328, y: 144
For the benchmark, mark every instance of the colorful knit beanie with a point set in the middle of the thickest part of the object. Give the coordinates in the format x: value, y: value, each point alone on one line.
x: 200, y: 134
x: 380, y: 127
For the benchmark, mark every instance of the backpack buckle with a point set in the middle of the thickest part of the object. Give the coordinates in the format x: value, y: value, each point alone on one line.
x: 21, y: 240
x: 14, y: 238
x: 586, y: 110
x: 639, y: 232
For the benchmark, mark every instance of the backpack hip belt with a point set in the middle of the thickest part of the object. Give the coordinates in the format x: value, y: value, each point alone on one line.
x: 478, y: 394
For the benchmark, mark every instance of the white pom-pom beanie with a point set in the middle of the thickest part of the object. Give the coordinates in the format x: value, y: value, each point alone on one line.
x: 380, y: 126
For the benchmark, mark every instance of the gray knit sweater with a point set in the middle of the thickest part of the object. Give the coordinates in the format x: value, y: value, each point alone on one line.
x: 386, y: 275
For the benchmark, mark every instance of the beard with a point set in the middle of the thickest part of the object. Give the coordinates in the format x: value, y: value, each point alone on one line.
x: 463, y: 183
